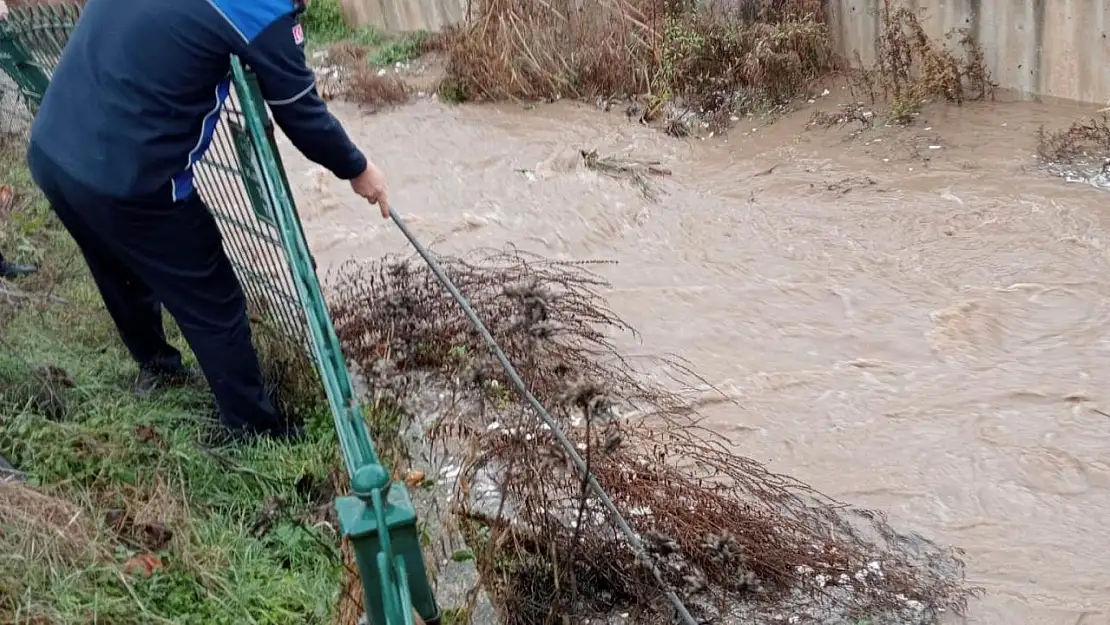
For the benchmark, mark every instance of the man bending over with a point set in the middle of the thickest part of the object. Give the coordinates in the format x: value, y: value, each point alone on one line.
x: 131, y: 108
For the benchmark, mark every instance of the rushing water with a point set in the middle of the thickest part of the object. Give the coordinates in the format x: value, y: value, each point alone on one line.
x: 917, y: 324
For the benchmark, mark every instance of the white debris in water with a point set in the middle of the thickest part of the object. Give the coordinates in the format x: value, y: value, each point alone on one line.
x: 823, y: 580
x: 493, y: 426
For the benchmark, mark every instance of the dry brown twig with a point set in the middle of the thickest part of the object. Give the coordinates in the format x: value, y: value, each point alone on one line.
x: 639, y: 172
x: 1084, y: 139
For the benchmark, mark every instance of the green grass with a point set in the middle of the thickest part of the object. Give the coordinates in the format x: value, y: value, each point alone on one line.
x: 89, y: 447
x: 324, y: 23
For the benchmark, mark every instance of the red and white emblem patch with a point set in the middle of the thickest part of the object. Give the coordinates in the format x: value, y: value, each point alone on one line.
x: 298, y: 34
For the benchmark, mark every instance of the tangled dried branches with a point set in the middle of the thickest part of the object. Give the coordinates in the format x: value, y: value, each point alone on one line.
x: 1084, y: 139
x: 706, y: 55
x: 722, y: 527
x: 845, y: 114
x: 639, y: 172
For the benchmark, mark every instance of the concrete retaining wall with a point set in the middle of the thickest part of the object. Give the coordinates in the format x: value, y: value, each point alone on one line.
x: 399, y: 16
x: 1054, y: 48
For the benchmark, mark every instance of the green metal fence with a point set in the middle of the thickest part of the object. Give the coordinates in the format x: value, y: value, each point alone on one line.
x: 244, y: 183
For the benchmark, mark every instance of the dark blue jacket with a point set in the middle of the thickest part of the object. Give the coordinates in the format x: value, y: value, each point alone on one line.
x: 136, y: 97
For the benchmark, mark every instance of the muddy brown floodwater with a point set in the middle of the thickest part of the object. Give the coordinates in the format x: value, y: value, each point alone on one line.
x: 915, y: 324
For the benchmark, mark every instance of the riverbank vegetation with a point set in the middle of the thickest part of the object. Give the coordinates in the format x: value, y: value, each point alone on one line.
x: 717, y: 62
x: 687, y: 65
x: 1085, y: 140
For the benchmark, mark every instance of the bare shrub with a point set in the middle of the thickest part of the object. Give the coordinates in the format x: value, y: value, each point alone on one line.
x: 720, y: 526
x: 367, y: 86
x: 346, y: 74
x: 1084, y: 139
x: 912, y: 68
x: 701, y: 53
x: 348, y: 53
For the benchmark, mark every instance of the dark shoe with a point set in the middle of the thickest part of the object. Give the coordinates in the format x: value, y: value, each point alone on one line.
x: 152, y: 380
x: 13, y: 270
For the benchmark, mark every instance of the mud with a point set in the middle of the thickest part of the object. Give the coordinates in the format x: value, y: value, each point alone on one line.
x: 909, y: 319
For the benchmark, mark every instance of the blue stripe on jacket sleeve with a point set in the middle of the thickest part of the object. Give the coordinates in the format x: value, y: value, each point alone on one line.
x: 183, y: 181
x: 250, y: 17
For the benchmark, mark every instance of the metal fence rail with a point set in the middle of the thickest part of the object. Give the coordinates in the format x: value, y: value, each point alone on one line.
x: 242, y: 180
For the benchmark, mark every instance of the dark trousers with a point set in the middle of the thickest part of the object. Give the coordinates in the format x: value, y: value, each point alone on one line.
x: 147, y: 252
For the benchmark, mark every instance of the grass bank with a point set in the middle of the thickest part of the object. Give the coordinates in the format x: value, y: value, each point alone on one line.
x: 126, y: 516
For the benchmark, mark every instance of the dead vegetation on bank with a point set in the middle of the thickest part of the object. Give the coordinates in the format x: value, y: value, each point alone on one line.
x: 716, y: 60
x: 676, y: 61
x: 347, y: 76
x: 911, y: 69
x: 727, y: 533
x: 710, y: 58
x: 1078, y: 153
x: 1085, y: 140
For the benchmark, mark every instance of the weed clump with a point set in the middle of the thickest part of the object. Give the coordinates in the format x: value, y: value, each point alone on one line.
x: 404, y: 49
x: 346, y: 75
x: 722, y: 528
x: 1083, y: 140
x: 369, y: 87
x: 912, y: 68
x: 710, y: 58
x: 324, y: 22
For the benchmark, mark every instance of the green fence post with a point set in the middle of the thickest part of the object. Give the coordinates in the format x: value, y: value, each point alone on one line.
x: 380, y: 522
x: 378, y: 518
x: 17, y: 63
